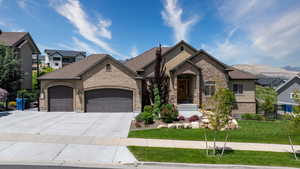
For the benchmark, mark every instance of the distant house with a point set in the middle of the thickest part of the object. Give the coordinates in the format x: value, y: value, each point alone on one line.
x: 24, y: 46
x: 270, y: 82
x: 59, y: 58
x: 286, y: 93
x: 41, y: 59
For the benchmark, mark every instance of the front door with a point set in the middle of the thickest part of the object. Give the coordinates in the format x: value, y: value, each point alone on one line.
x: 183, y: 90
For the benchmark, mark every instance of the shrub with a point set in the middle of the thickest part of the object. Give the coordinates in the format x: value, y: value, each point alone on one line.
x: 168, y: 113
x: 146, y: 116
x: 12, y: 104
x: 250, y: 116
x: 194, y: 118
x: 31, y: 96
x: 181, y: 118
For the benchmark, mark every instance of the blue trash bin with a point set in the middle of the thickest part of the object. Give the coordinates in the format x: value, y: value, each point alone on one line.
x: 21, y: 103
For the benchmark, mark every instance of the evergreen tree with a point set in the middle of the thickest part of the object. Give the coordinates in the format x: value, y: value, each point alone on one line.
x: 10, y: 72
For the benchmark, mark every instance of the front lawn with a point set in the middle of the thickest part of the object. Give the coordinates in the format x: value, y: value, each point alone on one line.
x: 198, y: 156
x: 249, y: 131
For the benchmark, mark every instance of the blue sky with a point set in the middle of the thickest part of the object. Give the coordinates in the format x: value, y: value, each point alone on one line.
x: 236, y: 32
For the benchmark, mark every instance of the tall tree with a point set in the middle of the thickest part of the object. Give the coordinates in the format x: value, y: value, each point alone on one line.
x: 160, y: 80
x: 10, y: 72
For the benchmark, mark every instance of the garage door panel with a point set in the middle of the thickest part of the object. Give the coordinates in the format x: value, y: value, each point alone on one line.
x: 109, y: 100
x: 60, y: 98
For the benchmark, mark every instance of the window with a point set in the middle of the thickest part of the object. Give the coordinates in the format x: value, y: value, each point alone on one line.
x: 56, y: 64
x: 294, y: 96
x: 209, y: 88
x: 56, y: 58
x: 68, y: 60
x: 238, y: 88
x: 108, y: 68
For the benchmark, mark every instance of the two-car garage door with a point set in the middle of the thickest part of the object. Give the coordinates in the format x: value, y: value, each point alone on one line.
x: 108, y: 100
x: 60, y: 98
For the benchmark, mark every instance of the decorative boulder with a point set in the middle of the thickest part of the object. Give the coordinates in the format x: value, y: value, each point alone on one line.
x: 162, y: 126
x: 173, y: 126
x: 179, y: 125
x: 195, y: 125
x: 187, y: 125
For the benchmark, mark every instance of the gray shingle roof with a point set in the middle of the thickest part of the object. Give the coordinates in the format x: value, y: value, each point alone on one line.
x: 65, y: 52
x: 143, y: 59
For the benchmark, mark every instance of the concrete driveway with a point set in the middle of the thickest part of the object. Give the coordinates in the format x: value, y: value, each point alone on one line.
x: 67, y: 123
x: 69, y: 128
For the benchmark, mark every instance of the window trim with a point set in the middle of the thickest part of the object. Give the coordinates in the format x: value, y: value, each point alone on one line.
x: 211, y: 86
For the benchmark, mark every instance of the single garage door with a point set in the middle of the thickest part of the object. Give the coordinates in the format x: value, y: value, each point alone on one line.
x: 108, y: 100
x: 60, y: 98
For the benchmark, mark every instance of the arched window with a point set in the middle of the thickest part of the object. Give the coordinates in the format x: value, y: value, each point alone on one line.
x: 108, y: 68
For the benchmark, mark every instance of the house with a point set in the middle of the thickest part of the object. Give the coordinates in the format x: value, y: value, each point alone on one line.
x: 286, y: 94
x: 41, y: 59
x: 60, y: 58
x: 101, y: 83
x: 272, y: 82
x: 25, y: 47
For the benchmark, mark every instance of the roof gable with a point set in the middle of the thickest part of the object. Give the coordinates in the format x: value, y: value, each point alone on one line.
x: 18, y: 39
x: 148, y: 57
x: 295, y: 79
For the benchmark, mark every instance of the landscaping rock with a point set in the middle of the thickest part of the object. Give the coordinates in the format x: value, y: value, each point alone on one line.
x: 162, y: 126
x: 187, y: 125
x: 172, y: 125
x: 179, y: 125
x: 195, y: 125
x: 205, y: 122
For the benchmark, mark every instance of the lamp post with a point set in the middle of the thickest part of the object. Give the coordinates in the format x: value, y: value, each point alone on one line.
x: 38, y: 82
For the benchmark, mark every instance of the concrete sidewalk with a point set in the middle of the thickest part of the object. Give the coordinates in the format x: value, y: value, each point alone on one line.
x: 104, y: 141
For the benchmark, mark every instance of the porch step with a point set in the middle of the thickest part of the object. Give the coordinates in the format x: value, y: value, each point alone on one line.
x: 188, y: 114
x: 187, y: 107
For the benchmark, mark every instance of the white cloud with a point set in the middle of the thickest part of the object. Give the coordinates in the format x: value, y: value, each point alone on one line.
x: 134, y: 51
x: 73, y: 11
x: 264, y: 32
x: 18, y: 30
x: 80, y: 45
x: 172, y: 15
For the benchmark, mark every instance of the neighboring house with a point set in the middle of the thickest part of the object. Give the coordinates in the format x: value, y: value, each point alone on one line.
x: 23, y: 44
x: 41, y: 62
x: 286, y: 94
x: 270, y: 82
x: 60, y: 58
x: 100, y: 83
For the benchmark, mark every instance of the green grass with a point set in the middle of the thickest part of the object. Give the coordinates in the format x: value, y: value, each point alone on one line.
x: 250, y: 131
x: 199, y: 156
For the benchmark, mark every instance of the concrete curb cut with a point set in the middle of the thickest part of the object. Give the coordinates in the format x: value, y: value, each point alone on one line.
x: 166, y: 164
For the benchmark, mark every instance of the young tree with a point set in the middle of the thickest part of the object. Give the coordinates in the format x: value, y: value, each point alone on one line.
x: 294, y: 122
x: 222, y: 104
x: 10, y: 72
x: 160, y: 80
x: 268, y: 106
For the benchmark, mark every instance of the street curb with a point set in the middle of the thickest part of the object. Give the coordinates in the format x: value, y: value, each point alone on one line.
x: 166, y: 164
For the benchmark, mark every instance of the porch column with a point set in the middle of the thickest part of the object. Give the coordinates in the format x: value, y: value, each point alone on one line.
x: 197, y: 91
